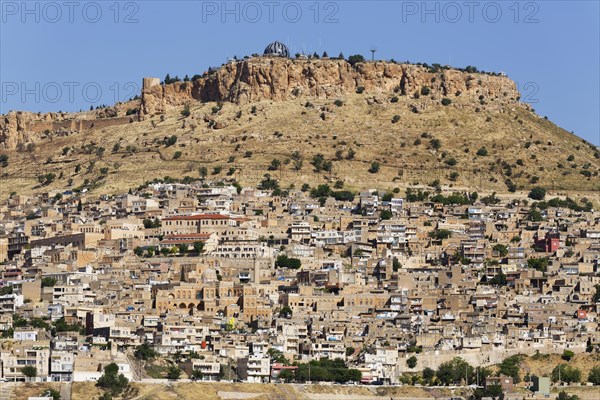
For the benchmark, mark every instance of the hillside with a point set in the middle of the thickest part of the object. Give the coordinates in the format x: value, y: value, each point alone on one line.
x: 419, y: 124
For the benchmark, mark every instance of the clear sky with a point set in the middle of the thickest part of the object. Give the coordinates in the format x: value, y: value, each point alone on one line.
x: 68, y: 55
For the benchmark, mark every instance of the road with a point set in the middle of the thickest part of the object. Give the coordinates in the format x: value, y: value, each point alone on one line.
x: 65, y: 391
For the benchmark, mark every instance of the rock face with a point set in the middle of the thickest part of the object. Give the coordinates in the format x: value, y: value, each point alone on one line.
x: 17, y: 128
x: 279, y: 79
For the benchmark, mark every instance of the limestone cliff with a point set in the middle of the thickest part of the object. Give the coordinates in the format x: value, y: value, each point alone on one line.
x: 284, y: 79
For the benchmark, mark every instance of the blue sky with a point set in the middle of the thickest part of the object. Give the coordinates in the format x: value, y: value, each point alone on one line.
x: 59, y: 56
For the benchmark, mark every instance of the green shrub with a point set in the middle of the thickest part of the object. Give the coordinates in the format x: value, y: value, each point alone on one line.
x: 374, y: 167
x: 355, y: 59
x: 537, y: 193
x: 435, y: 144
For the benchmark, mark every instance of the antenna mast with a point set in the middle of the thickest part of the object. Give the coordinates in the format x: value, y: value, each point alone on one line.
x: 373, y: 50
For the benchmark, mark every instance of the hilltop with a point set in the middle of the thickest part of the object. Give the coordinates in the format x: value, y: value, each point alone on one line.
x: 369, y: 125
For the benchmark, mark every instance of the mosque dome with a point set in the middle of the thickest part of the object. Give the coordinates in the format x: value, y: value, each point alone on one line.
x: 277, y: 49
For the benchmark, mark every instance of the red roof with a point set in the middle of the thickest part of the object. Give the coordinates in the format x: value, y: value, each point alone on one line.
x: 197, y: 217
x: 187, y: 238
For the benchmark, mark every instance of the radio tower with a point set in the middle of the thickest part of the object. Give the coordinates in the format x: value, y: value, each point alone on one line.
x: 373, y: 50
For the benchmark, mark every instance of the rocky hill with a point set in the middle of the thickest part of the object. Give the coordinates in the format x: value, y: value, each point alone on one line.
x: 283, y: 79
x: 375, y: 124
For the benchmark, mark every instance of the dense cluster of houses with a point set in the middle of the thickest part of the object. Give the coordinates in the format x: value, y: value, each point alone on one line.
x: 248, y: 282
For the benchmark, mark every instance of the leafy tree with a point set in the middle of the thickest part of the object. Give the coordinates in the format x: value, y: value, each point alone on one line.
x: 566, y: 373
x: 451, y: 161
x: 274, y: 166
x: 203, y: 171
x: 61, y: 325
x: 111, y: 381
x: 501, y: 249
x: 29, y: 371
x: 440, y: 234
x: 325, y: 370
x: 491, y: 391
x: 567, y: 355
x: 446, y: 101
x: 197, y: 375
x: 428, y: 375
x: 283, y: 261
x: 482, y: 152
x: 198, y: 247
x: 435, y: 144
x: 186, y: 111
x: 171, y: 140
x: 537, y: 193
x: 342, y: 195
x: 386, y: 215
x: 499, y: 280
x: 396, y: 264
x: 510, y: 367
x: 48, y: 281
x: 562, y: 395
x: 317, y: 162
x: 321, y: 191
x: 277, y: 356
x: 285, y: 311
x: 268, y: 183
x: 374, y: 167
x: 355, y: 59
x: 596, y: 296
x: 453, y: 372
x: 411, y: 362
x: 173, y: 373
x: 540, y: 264
x: 594, y: 375
x: 534, y: 215
x: 145, y: 352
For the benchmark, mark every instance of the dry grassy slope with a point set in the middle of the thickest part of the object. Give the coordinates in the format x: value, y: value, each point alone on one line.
x: 368, y: 129
x: 223, y: 390
x: 543, y: 365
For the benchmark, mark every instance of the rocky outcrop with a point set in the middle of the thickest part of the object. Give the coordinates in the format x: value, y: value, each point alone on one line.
x: 17, y: 128
x: 279, y: 79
